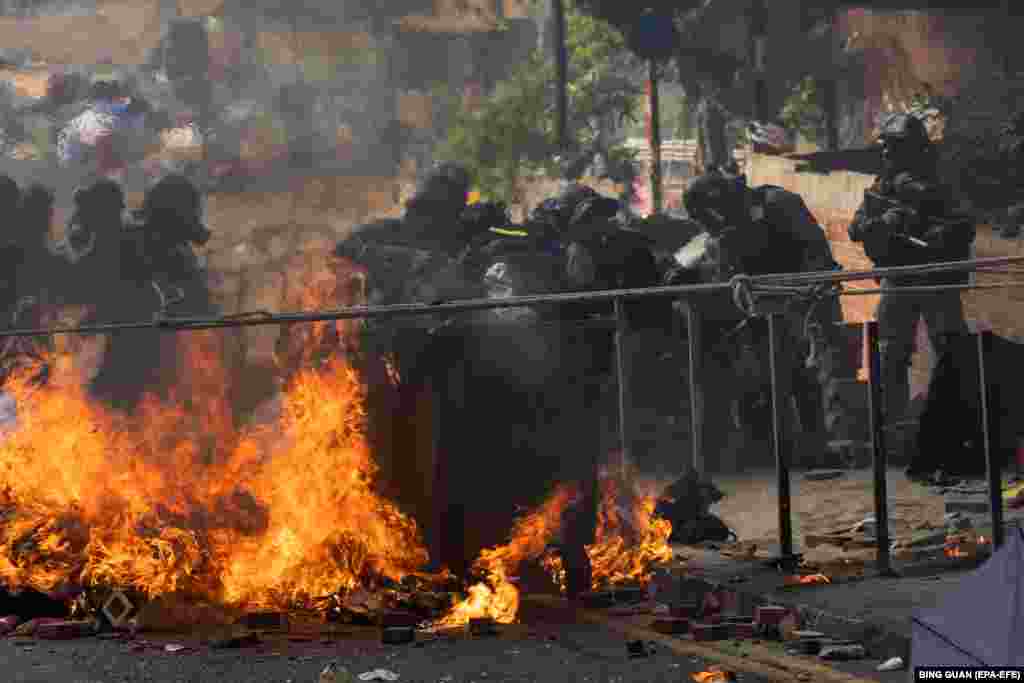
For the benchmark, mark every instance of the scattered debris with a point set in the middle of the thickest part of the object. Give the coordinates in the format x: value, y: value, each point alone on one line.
x: 809, y: 579
x: 482, y: 627
x: 808, y: 642
x: 179, y: 614
x: 843, y: 652
x: 893, y: 664
x: 398, y: 635
x: 8, y: 624
x: 64, y: 630
x: 769, y: 615
x: 336, y: 673
x: 264, y: 621
x: 742, y: 628
x: 709, y: 632
x: 118, y: 609
x: 788, y: 626
x: 681, y: 610
x: 671, y: 625
x: 378, y: 675
x: 29, y: 627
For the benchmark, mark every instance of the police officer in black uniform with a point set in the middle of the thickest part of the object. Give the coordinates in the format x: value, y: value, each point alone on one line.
x: 907, y: 218
x: 767, y: 229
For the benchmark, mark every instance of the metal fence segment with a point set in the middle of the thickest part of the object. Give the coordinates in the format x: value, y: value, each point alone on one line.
x: 745, y: 296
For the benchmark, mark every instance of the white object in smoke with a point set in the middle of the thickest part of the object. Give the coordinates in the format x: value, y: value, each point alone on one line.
x: 691, y: 255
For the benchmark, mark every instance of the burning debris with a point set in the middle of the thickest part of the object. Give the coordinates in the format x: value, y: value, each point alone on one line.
x: 172, y: 500
x: 807, y: 580
x: 175, y: 516
x: 630, y: 541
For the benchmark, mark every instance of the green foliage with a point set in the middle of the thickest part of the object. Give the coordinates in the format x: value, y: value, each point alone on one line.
x: 804, y: 110
x: 512, y: 134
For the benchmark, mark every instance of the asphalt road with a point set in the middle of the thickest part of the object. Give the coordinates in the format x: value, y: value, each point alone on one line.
x: 574, y: 654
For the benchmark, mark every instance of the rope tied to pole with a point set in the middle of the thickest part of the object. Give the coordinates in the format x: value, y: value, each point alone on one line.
x: 743, y: 294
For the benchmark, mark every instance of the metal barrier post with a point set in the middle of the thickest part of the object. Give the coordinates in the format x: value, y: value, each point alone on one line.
x: 623, y: 377
x: 779, y: 403
x: 880, y: 459
x: 693, y: 334
x: 992, y: 468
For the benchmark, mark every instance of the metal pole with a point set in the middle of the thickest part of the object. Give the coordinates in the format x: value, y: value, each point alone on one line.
x: 562, y: 75
x: 655, y: 136
x: 994, y: 471
x: 876, y: 421
x: 693, y: 326
x: 623, y: 375
x: 779, y: 445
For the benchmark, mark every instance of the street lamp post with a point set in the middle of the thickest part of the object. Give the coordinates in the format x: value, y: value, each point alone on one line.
x: 562, y: 75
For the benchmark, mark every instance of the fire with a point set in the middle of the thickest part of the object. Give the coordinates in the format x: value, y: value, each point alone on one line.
x: 629, y: 542
x: 498, y: 598
x: 807, y: 579
x: 177, y: 498
x: 713, y: 675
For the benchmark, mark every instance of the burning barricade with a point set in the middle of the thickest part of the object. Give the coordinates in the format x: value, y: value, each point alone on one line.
x: 173, y: 517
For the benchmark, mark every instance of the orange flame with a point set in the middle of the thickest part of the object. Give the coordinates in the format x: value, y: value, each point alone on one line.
x: 713, y: 675
x: 628, y: 546
x: 498, y: 598
x: 175, y: 498
x: 807, y: 579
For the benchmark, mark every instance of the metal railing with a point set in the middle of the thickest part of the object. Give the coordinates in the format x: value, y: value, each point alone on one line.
x: 745, y: 295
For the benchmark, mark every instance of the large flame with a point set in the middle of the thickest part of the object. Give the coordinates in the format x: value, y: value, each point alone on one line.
x: 630, y: 542
x: 630, y: 539
x: 176, y: 499
x: 497, y: 598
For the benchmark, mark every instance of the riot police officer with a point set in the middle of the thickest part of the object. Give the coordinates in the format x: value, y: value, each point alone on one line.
x: 907, y: 219
x: 767, y: 229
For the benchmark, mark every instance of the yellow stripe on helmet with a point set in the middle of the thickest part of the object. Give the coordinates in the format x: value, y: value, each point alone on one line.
x: 473, y: 197
x: 510, y: 232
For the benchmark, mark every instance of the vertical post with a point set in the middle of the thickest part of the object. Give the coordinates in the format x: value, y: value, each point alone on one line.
x: 1008, y: 16
x: 655, y: 136
x: 831, y: 88
x: 561, y: 74
x: 992, y: 468
x: 693, y: 327
x: 779, y: 445
x: 623, y: 373
x: 876, y: 421
x: 759, y: 29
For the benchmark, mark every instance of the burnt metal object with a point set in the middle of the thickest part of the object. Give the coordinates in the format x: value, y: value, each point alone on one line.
x: 399, y: 635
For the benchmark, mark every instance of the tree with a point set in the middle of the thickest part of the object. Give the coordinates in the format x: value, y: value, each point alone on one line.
x: 705, y: 69
x: 512, y: 133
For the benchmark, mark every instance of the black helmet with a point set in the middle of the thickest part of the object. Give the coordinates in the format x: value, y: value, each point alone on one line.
x: 903, y: 129
x: 595, y: 209
x: 101, y: 195
x: 712, y: 197
x: 175, y: 204
x: 447, y: 180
